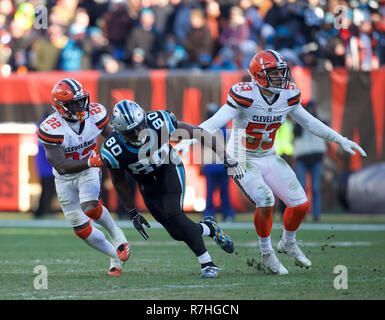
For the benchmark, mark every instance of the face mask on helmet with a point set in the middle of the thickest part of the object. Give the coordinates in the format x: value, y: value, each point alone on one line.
x: 129, y: 120
x: 278, y: 78
x: 136, y: 136
x: 77, y: 108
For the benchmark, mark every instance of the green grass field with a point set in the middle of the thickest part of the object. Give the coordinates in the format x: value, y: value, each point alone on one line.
x: 161, y: 268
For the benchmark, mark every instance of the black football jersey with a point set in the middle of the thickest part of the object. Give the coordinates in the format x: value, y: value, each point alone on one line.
x: 143, y: 161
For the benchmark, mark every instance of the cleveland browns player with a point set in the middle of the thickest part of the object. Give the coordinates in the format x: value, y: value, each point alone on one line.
x: 69, y: 137
x: 258, y: 108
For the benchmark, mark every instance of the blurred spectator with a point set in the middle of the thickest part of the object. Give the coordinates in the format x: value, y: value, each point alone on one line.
x: 47, y: 48
x: 163, y: 11
x: 225, y: 60
x: 47, y: 181
x: 146, y: 37
x: 253, y: 18
x: 335, y: 54
x: 63, y: 12
x: 308, y: 33
x: 173, y: 54
x: 71, y: 54
x: 360, y: 54
x: 213, y: 12
x: 198, y: 42
x: 237, y: 29
x: 217, y: 179
x: 182, y: 22
x: 308, y: 152
x: 95, y: 45
x: 117, y: 27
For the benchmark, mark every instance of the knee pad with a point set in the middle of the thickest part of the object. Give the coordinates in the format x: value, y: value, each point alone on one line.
x: 84, y: 232
x: 95, y: 213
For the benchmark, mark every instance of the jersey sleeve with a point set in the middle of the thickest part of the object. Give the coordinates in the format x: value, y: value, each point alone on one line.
x: 50, y: 132
x: 170, y: 119
x: 99, y: 115
x: 240, y: 96
x: 294, y: 95
x: 108, y: 158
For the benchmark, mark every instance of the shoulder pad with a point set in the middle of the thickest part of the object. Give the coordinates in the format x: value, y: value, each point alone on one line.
x: 99, y: 115
x: 293, y: 94
x: 51, y: 130
x: 240, y: 95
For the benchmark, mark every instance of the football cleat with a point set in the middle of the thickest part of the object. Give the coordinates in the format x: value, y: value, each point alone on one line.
x: 115, y: 267
x: 120, y: 243
x: 220, y: 237
x: 271, y: 264
x: 209, y: 272
x: 123, y: 252
x: 294, y: 252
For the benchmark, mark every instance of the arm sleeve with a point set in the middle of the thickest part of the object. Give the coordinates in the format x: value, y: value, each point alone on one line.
x: 315, y: 126
x: 220, y: 118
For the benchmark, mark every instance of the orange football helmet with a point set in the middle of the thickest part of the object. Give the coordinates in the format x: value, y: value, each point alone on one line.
x: 269, y: 70
x: 71, y: 100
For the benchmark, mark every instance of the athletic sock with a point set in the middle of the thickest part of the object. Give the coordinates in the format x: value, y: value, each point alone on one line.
x: 207, y: 229
x: 265, y: 245
x: 288, y: 236
x: 98, y: 241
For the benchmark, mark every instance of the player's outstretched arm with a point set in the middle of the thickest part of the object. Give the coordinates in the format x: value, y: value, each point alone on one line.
x: 56, y: 157
x: 217, y: 144
x: 317, y: 127
x: 124, y: 195
x: 216, y: 122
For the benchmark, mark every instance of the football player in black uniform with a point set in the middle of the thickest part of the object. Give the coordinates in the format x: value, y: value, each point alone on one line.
x: 140, y: 144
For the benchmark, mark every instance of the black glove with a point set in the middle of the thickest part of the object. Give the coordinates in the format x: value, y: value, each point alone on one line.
x: 138, y: 220
x: 234, y: 168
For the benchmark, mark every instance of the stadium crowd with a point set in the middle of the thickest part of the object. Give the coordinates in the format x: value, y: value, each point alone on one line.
x: 113, y: 35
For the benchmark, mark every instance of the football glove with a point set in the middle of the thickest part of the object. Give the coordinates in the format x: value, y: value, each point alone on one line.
x: 95, y: 161
x: 184, y: 146
x: 138, y: 221
x: 234, y: 168
x: 350, y: 146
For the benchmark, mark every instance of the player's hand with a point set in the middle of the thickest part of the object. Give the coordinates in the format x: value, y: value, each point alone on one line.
x: 138, y: 221
x: 234, y: 168
x: 95, y: 161
x: 350, y: 146
x: 184, y: 146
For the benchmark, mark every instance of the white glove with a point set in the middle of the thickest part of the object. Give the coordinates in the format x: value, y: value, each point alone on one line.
x: 234, y: 168
x: 184, y: 146
x: 350, y: 146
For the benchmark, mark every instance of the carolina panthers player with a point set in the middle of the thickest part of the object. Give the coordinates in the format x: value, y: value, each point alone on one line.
x: 258, y: 108
x: 69, y: 137
x: 140, y: 144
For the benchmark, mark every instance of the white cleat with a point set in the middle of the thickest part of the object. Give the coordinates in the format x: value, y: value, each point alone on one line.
x: 294, y: 252
x: 271, y: 264
x: 115, y: 267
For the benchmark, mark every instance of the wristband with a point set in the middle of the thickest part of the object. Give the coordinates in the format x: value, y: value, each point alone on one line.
x: 132, y: 213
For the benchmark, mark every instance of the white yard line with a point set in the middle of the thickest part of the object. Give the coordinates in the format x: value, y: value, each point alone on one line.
x: 225, y: 225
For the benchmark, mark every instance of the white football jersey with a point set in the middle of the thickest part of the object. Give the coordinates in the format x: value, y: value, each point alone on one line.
x: 257, y: 118
x: 55, y: 130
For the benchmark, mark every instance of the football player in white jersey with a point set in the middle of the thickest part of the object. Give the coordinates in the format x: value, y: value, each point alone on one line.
x: 69, y: 136
x: 258, y: 108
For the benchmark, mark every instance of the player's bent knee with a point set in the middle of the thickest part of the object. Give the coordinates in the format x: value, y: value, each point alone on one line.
x: 83, y: 231
x: 94, y: 212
